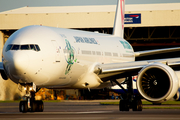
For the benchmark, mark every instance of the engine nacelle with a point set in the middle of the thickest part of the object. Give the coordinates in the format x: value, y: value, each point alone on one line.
x: 157, y: 82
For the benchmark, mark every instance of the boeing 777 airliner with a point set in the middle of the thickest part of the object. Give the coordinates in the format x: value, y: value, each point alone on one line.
x: 40, y: 56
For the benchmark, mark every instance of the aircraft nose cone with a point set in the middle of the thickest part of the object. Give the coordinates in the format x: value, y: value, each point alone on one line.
x: 20, y: 62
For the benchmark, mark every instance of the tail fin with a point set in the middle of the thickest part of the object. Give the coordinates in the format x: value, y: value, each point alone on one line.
x: 118, y: 29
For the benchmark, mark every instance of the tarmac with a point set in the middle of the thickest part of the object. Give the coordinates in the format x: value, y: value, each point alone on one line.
x: 85, y: 110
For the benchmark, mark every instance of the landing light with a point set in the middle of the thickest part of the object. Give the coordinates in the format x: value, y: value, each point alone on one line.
x: 25, y: 88
x: 30, y: 88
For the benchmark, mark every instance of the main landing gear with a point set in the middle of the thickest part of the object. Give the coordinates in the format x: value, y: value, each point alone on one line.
x: 129, y: 100
x: 29, y: 104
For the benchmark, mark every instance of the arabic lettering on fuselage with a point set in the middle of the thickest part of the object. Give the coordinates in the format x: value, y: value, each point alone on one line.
x: 85, y: 40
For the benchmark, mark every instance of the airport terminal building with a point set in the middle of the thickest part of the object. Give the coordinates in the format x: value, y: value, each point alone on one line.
x: 147, y: 26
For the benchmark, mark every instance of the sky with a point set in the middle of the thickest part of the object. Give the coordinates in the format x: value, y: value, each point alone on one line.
x: 13, y: 4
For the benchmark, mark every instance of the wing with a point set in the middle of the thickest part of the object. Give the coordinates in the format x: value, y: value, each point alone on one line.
x: 121, y: 70
x: 158, y: 51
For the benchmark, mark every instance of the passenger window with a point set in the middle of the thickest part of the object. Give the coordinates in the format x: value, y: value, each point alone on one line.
x: 37, y: 48
x: 33, y: 47
x: 8, y: 47
x: 24, y: 47
x: 15, y: 47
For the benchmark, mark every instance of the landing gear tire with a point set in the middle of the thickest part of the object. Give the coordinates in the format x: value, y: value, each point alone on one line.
x: 40, y: 106
x: 123, y: 105
x: 33, y: 106
x: 137, y: 105
x: 23, y: 107
x: 37, y: 106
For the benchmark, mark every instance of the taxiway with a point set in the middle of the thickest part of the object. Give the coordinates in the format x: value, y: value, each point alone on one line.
x: 84, y: 111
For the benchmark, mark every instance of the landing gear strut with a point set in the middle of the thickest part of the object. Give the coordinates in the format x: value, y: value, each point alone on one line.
x: 128, y: 100
x: 29, y: 104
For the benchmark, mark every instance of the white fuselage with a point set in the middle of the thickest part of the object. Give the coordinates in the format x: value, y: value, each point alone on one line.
x: 66, y: 58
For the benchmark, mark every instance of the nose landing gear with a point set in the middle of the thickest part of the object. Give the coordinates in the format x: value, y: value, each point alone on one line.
x: 29, y: 104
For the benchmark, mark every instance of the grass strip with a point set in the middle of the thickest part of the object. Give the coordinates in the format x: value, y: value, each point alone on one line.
x: 104, y: 103
x: 144, y: 103
x: 14, y: 101
x: 9, y: 101
x: 53, y: 101
x: 159, y: 107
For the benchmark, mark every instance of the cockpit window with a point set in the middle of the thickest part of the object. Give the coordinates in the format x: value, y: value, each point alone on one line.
x: 25, y: 47
x: 22, y: 47
x: 15, y: 47
x: 8, y: 47
x: 37, y: 48
x: 32, y: 47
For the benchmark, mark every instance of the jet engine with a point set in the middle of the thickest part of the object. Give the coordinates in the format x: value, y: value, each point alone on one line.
x: 157, y: 82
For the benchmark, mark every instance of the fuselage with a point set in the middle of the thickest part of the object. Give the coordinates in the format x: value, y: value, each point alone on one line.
x: 61, y: 58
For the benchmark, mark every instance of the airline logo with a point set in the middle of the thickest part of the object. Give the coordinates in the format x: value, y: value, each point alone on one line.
x: 136, y: 16
x: 134, y: 78
x: 69, y: 56
x: 132, y: 19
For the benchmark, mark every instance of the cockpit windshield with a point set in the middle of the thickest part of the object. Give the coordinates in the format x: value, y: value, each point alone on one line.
x: 8, y: 47
x: 15, y: 47
x: 32, y: 47
x: 23, y: 47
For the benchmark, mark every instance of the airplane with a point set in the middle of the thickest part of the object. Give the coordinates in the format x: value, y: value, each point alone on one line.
x: 56, y: 58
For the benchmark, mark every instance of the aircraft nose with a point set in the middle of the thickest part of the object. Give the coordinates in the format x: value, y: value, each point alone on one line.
x: 20, y: 62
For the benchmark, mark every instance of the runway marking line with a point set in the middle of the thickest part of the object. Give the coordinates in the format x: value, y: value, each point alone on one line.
x: 87, y: 112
